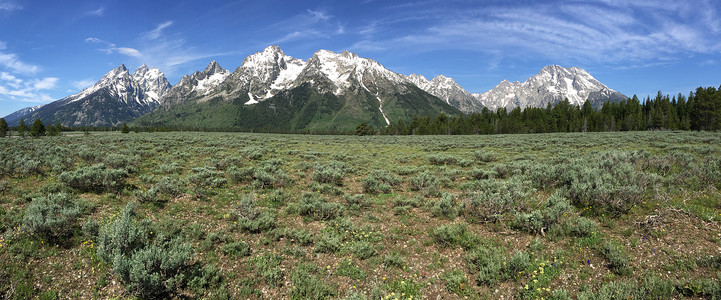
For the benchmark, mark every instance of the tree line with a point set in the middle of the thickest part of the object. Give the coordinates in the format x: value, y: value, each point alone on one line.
x: 701, y: 110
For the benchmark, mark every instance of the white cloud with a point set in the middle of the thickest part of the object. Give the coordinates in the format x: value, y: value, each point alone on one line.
x: 83, y: 84
x: 129, y: 52
x: 109, y: 47
x: 26, y: 91
x: 11, y: 61
x: 158, y: 31
x: 10, y: 79
x: 317, y: 15
x: 46, y: 83
x: 9, y: 5
x: 164, y: 51
x: 96, y: 13
x: 608, y: 31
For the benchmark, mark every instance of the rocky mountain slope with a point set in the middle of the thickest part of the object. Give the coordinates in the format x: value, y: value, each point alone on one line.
x: 116, y: 98
x: 551, y: 85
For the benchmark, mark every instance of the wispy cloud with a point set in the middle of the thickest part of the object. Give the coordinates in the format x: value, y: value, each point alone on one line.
x: 12, y: 62
x: 9, y: 5
x: 26, y: 90
x: 157, y: 48
x: 110, y: 48
x: 17, y: 80
x: 46, y: 83
x: 609, y: 31
x: 158, y: 31
x: 129, y: 52
x: 96, y: 12
x: 311, y: 24
x: 318, y: 15
x: 83, y: 84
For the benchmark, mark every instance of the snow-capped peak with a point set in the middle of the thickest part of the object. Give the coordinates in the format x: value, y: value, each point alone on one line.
x: 152, y: 82
x: 419, y: 80
x: 448, y: 90
x: 339, y: 68
x: 212, y: 76
x: 552, y: 84
x: 265, y: 73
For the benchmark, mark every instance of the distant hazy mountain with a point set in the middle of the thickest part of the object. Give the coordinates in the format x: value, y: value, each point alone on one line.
x: 448, y: 90
x: 551, y: 85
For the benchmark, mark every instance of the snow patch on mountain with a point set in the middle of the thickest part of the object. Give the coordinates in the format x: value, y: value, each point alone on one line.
x: 551, y: 85
x: 448, y: 90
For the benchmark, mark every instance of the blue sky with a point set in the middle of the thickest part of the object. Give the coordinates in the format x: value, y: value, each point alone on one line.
x: 51, y: 49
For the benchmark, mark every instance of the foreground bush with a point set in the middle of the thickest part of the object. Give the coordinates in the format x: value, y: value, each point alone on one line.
x: 330, y: 172
x: 539, y: 221
x: 308, y: 283
x: 252, y: 219
x: 96, y: 178
x: 52, y: 217
x: 149, y: 267
x: 492, y: 199
x: 316, y: 207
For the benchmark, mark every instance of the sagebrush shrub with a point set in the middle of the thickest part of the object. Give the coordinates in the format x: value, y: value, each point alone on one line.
x: 95, y: 178
x: 446, y: 207
x: 487, y: 262
x: 236, y: 249
x: 267, y: 266
x: 252, y: 219
x: 52, y: 217
x: 442, y: 159
x: 330, y: 172
x: 538, y: 221
x: 316, y: 207
x: 618, y: 260
x: 426, y: 182
x: 457, y: 283
x: 329, y: 242
x: 484, y: 156
x: 363, y: 250
x: 454, y: 235
x: 582, y: 227
x: 308, y: 283
x: 202, y: 178
x: 492, y: 199
x: 149, y: 267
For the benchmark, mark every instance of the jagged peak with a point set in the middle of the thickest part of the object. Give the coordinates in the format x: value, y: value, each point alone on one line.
x: 418, y: 76
x: 273, y: 49
x: 119, y: 71
x: 213, y: 67
x: 142, y: 69
x: 552, y: 68
x: 443, y: 78
x: 270, y: 54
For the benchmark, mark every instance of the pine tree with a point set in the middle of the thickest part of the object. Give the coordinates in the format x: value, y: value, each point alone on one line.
x: 364, y: 129
x: 59, y: 127
x: 125, y: 128
x: 3, y: 127
x: 52, y: 130
x: 22, y: 128
x: 38, y: 128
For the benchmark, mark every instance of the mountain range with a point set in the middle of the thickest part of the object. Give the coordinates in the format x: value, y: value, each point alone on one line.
x: 327, y: 92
